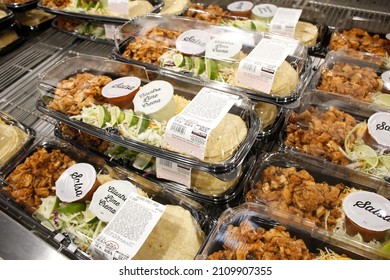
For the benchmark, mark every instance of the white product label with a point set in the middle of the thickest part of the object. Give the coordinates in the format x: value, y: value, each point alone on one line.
x: 379, y: 128
x: 192, y: 42
x: 118, y: 6
x: 75, y: 182
x: 172, y: 171
x: 388, y: 36
x: 188, y: 131
x: 223, y: 48
x: 124, y: 235
x: 109, y: 31
x: 264, y: 10
x: 258, y: 69
x: 240, y: 6
x: 109, y: 197
x: 284, y: 21
x: 121, y: 87
x: 368, y: 210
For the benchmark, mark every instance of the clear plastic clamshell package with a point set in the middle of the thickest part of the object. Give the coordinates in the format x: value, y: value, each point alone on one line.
x: 361, y: 81
x: 20, y: 5
x: 358, y: 34
x: 342, y: 134
x: 6, y: 17
x: 106, y: 11
x: 291, y: 184
x: 95, y: 210
x: 201, y: 186
x: 265, y: 66
x: 91, y: 30
x: 301, y: 22
x: 34, y: 19
x: 151, y: 113
x: 257, y: 232
x: 15, y: 138
x: 11, y: 38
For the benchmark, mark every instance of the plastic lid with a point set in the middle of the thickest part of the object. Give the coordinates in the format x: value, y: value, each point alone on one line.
x: 264, y: 10
x: 121, y: 87
x: 368, y: 210
x: 192, y: 42
x: 109, y: 197
x: 379, y: 128
x: 75, y: 183
x: 240, y: 6
x: 155, y: 99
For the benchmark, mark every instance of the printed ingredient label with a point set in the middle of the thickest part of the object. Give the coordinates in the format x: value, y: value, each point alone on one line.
x: 172, y: 171
x: 128, y: 229
x: 258, y: 69
x: 285, y: 21
x: 188, y: 131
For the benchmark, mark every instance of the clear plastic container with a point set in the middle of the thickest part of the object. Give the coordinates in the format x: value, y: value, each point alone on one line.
x: 232, y: 143
x: 290, y: 184
x: 20, y: 6
x: 15, y: 137
x: 328, y: 128
x: 309, y: 30
x: 85, y: 29
x: 55, y: 220
x: 34, y: 19
x: 6, y: 17
x: 361, y: 34
x: 254, y: 232
x: 215, y: 61
x: 98, y: 10
x: 272, y: 118
x: 204, y: 186
x: 357, y: 79
x: 11, y: 38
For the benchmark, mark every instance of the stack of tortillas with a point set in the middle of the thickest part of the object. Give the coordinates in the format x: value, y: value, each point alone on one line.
x: 176, y: 236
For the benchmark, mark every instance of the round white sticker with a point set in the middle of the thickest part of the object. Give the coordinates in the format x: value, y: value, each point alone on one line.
x: 121, y: 87
x: 264, y: 10
x: 109, y: 197
x: 386, y: 77
x: 379, y: 128
x: 368, y: 210
x: 388, y: 36
x: 75, y: 182
x: 155, y: 99
x: 240, y: 6
x: 192, y: 42
x: 223, y: 48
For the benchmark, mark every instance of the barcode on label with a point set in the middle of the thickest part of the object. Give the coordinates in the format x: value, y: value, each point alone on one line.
x: 166, y: 163
x: 181, y: 129
x: 249, y: 67
x: 277, y: 26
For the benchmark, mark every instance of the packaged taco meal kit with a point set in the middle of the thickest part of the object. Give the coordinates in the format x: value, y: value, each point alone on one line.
x: 91, y: 209
x: 266, y: 67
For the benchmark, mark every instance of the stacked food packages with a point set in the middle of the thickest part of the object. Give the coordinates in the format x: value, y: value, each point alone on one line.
x: 209, y: 134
